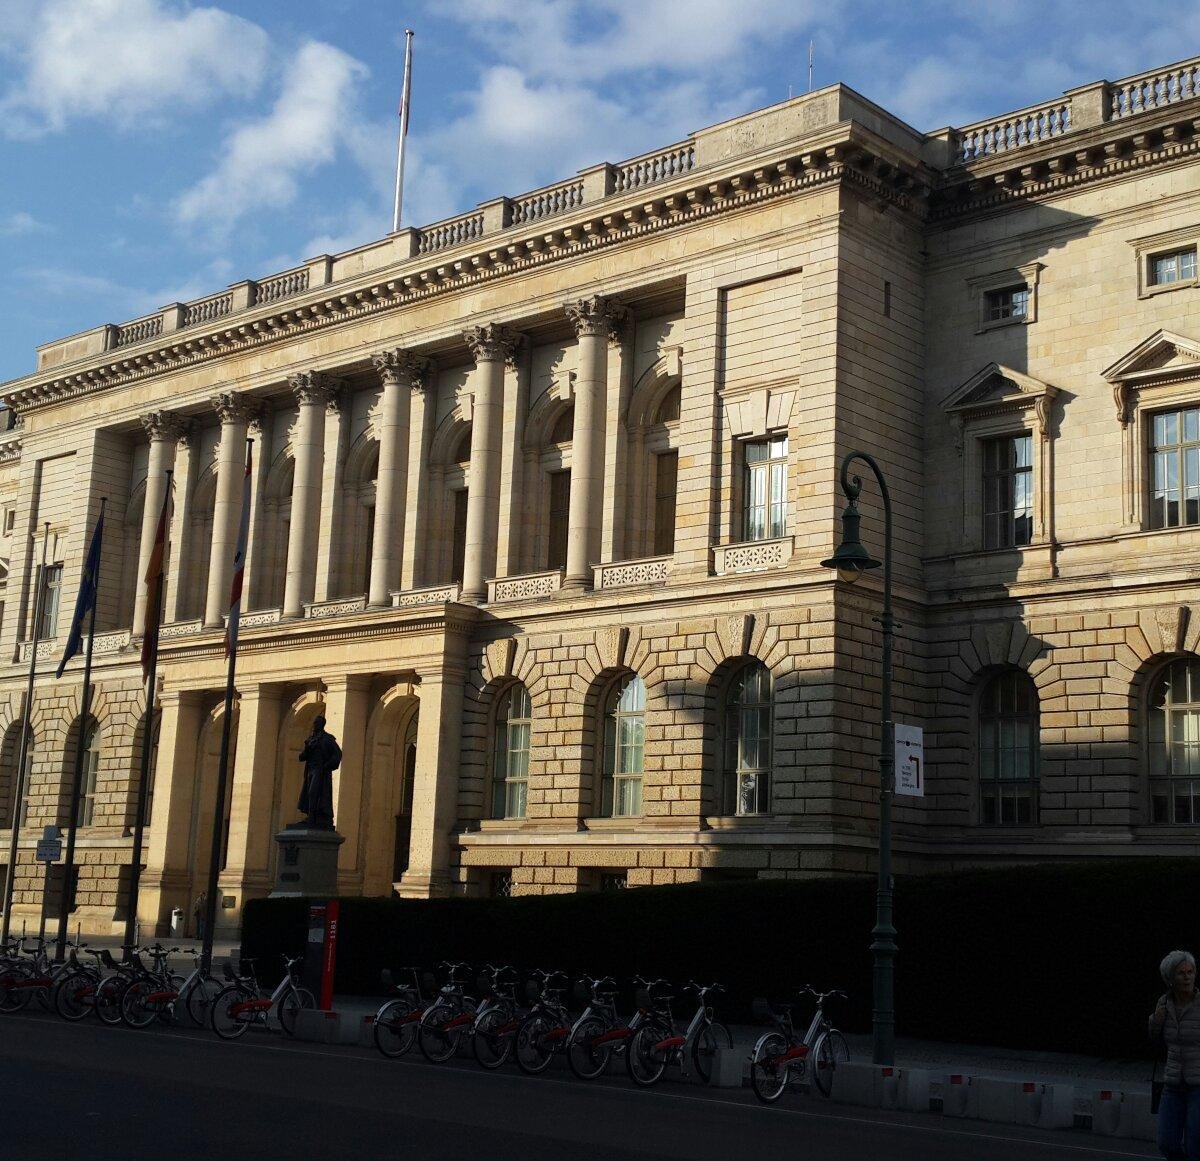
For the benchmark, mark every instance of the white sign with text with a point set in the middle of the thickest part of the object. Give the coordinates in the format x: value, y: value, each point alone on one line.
x: 910, y: 760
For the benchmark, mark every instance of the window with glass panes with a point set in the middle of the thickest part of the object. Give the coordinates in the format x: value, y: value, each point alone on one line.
x: 1174, y: 731
x: 747, y: 788
x: 88, y: 777
x: 560, y: 519
x: 51, y: 592
x: 1008, y: 750
x: 624, y: 746
x: 1010, y: 303
x: 666, y: 480
x: 1177, y: 266
x: 1008, y: 491
x: 1175, y: 468
x: 764, y: 508
x: 458, y: 543
x: 510, y: 771
x: 26, y: 784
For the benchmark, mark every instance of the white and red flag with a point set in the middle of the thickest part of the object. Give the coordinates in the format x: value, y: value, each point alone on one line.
x: 239, y: 560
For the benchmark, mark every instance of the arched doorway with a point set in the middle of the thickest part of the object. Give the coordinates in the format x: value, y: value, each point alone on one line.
x: 204, y: 798
x: 391, y: 760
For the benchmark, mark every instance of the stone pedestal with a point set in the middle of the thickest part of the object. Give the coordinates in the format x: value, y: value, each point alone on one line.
x: 308, y: 860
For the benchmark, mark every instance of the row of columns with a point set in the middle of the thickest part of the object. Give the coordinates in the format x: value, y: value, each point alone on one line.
x: 596, y: 320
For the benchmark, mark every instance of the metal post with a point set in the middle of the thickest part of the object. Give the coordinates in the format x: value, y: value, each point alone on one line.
x: 26, y: 734
x: 210, y: 900
x: 404, y: 99
x: 64, y: 907
x: 45, y: 896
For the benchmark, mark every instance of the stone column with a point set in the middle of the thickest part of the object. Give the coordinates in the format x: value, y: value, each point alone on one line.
x: 346, y: 716
x: 165, y: 429
x: 165, y: 881
x: 235, y: 411
x: 414, y: 567
x: 493, y: 346
x: 402, y: 373
x: 595, y: 319
x: 314, y: 392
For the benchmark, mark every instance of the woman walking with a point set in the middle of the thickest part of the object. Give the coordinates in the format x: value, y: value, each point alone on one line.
x: 1176, y: 1024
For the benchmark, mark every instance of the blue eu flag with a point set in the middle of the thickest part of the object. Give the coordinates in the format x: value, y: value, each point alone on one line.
x: 87, y: 596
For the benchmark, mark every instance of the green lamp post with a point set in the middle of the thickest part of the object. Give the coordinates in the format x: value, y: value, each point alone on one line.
x: 851, y: 560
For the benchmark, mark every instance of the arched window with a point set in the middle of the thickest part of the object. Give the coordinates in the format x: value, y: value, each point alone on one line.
x: 28, y: 782
x: 624, y: 746
x: 1008, y: 750
x: 88, y: 778
x: 1175, y: 743
x: 510, y: 773
x: 748, y: 741
x: 564, y: 427
x: 668, y: 409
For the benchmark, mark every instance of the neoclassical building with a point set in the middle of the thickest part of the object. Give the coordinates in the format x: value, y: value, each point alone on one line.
x: 540, y: 495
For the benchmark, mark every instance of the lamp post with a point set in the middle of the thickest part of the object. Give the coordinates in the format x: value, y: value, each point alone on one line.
x: 851, y: 560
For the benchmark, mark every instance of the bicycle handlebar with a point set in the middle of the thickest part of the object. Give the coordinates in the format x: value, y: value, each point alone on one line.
x: 821, y: 997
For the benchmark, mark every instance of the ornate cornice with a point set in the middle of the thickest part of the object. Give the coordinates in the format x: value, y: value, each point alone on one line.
x: 316, y: 388
x: 235, y: 407
x: 10, y: 450
x: 493, y: 342
x: 399, y: 366
x: 168, y: 426
x: 597, y: 316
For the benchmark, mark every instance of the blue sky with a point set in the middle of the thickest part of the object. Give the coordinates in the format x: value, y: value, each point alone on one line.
x: 157, y: 150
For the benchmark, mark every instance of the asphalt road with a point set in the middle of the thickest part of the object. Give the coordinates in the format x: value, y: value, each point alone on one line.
x: 76, y: 1091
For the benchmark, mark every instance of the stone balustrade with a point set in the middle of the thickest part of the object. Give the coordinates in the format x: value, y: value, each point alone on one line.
x: 752, y: 555
x: 450, y: 233
x: 647, y: 571
x: 281, y: 286
x: 207, y: 309
x: 139, y: 330
x: 1012, y: 131
x: 545, y: 203
x: 434, y: 595
x: 651, y: 168
x: 1154, y: 90
x: 341, y: 607
x: 523, y: 588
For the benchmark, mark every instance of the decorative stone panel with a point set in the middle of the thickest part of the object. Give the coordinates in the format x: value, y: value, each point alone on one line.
x: 652, y: 570
x: 180, y: 629
x: 320, y: 610
x: 437, y: 595
x: 520, y: 588
x: 752, y: 556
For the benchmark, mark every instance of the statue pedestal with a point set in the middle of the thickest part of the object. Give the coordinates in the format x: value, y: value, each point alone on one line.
x: 308, y: 859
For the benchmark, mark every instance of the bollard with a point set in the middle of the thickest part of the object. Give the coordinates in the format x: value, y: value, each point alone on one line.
x: 1109, y: 1113
x: 316, y: 1026
x: 960, y: 1098
x: 1141, y: 1122
x: 914, y: 1090
x: 997, y: 1099
x: 1029, y: 1103
x: 854, y: 1084
x: 366, y: 1031
x: 1058, y: 1107
x: 727, y: 1068
x: 887, y: 1087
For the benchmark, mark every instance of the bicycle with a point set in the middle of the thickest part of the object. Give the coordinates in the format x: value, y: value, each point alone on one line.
x: 779, y: 1054
x: 28, y: 978
x: 658, y: 1043
x: 544, y: 1031
x: 599, y: 1033
x: 498, y: 1018
x: 153, y: 995
x: 395, y: 1028
x: 242, y: 1002
x: 444, y: 1023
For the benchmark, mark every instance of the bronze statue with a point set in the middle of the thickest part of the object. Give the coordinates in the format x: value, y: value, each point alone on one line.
x: 321, y: 757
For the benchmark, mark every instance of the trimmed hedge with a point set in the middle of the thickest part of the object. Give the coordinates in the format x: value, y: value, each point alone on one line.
x: 1060, y: 957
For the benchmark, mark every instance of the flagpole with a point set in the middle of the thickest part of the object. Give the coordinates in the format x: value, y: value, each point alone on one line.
x: 408, y: 39
x: 64, y: 907
x: 210, y: 899
x: 139, y: 825
x: 26, y: 733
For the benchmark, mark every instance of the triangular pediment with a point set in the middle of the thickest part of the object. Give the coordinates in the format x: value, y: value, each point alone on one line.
x: 993, y: 385
x: 1163, y: 355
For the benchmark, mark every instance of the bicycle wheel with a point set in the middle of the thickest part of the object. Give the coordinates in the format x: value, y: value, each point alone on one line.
x: 136, y: 1012
x: 644, y: 1062
x: 395, y: 1030
x: 492, y: 1046
x: 290, y: 1006
x: 768, y: 1074
x: 199, y: 1000
x: 534, y: 1048
x: 587, y: 1059
x: 437, y: 1042
x: 830, y: 1051
x: 13, y: 997
x: 704, y: 1048
x: 73, y: 995
x: 224, y: 1017
x: 108, y: 997
x: 45, y: 995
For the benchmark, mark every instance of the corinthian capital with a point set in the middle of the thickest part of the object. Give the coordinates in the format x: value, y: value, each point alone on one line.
x: 597, y: 316
x: 235, y: 407
x: 401, y: 366
x: 315, y: 387
x: 493, y: 342
x: 168, y: 426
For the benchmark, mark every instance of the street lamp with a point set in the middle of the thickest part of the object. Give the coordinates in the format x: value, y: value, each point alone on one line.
x: 851, y: 560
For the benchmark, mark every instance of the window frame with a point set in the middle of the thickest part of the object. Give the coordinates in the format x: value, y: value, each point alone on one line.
x: 994, y: 474
x: 979, y: 290
x: 1177, y: 451
x: 1160, y: 675
x: 1032, y: 719
x: 732, y: 770
x: 614, y: 781
x: 89, y: 775
x: 1152, y: 247
x: 774, y: 465
x: 504, y: 781
x: 51, y: 581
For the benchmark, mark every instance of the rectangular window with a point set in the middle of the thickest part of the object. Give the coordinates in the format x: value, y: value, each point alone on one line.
x: 560, y: 517
x: 1008, y: 491
x: 1177, y: 266
x: 89, y: 777
x: 765, y: 488
x: 887, y: 300
x: 613, y: 880
x: 458, y: 551
x: 10, y: 520
x: 51, y: 591
x: 1012, y: 302
x: 500, y: 884
x: 1175, y: 468
x: 666, y: 479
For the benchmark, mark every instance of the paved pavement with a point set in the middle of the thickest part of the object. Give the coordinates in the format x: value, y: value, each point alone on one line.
x: 76, y: 1091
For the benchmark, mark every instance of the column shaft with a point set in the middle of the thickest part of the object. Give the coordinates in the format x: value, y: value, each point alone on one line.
x: 164, y: 429
x: 346, y: 716
x: 235, y: 413
x: 313, y: 392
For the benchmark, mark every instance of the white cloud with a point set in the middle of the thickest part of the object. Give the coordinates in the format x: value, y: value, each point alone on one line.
x: 21, y: 224
x: 263, y: 159
x: 128, y: 61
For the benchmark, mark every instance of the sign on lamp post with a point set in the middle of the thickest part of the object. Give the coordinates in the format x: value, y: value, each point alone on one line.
x: 910, y: 760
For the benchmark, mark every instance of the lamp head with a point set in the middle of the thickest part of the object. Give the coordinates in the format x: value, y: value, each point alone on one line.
x: 851, y: 559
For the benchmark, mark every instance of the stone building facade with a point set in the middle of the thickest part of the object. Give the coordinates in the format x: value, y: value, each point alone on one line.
x: 540, y: 494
